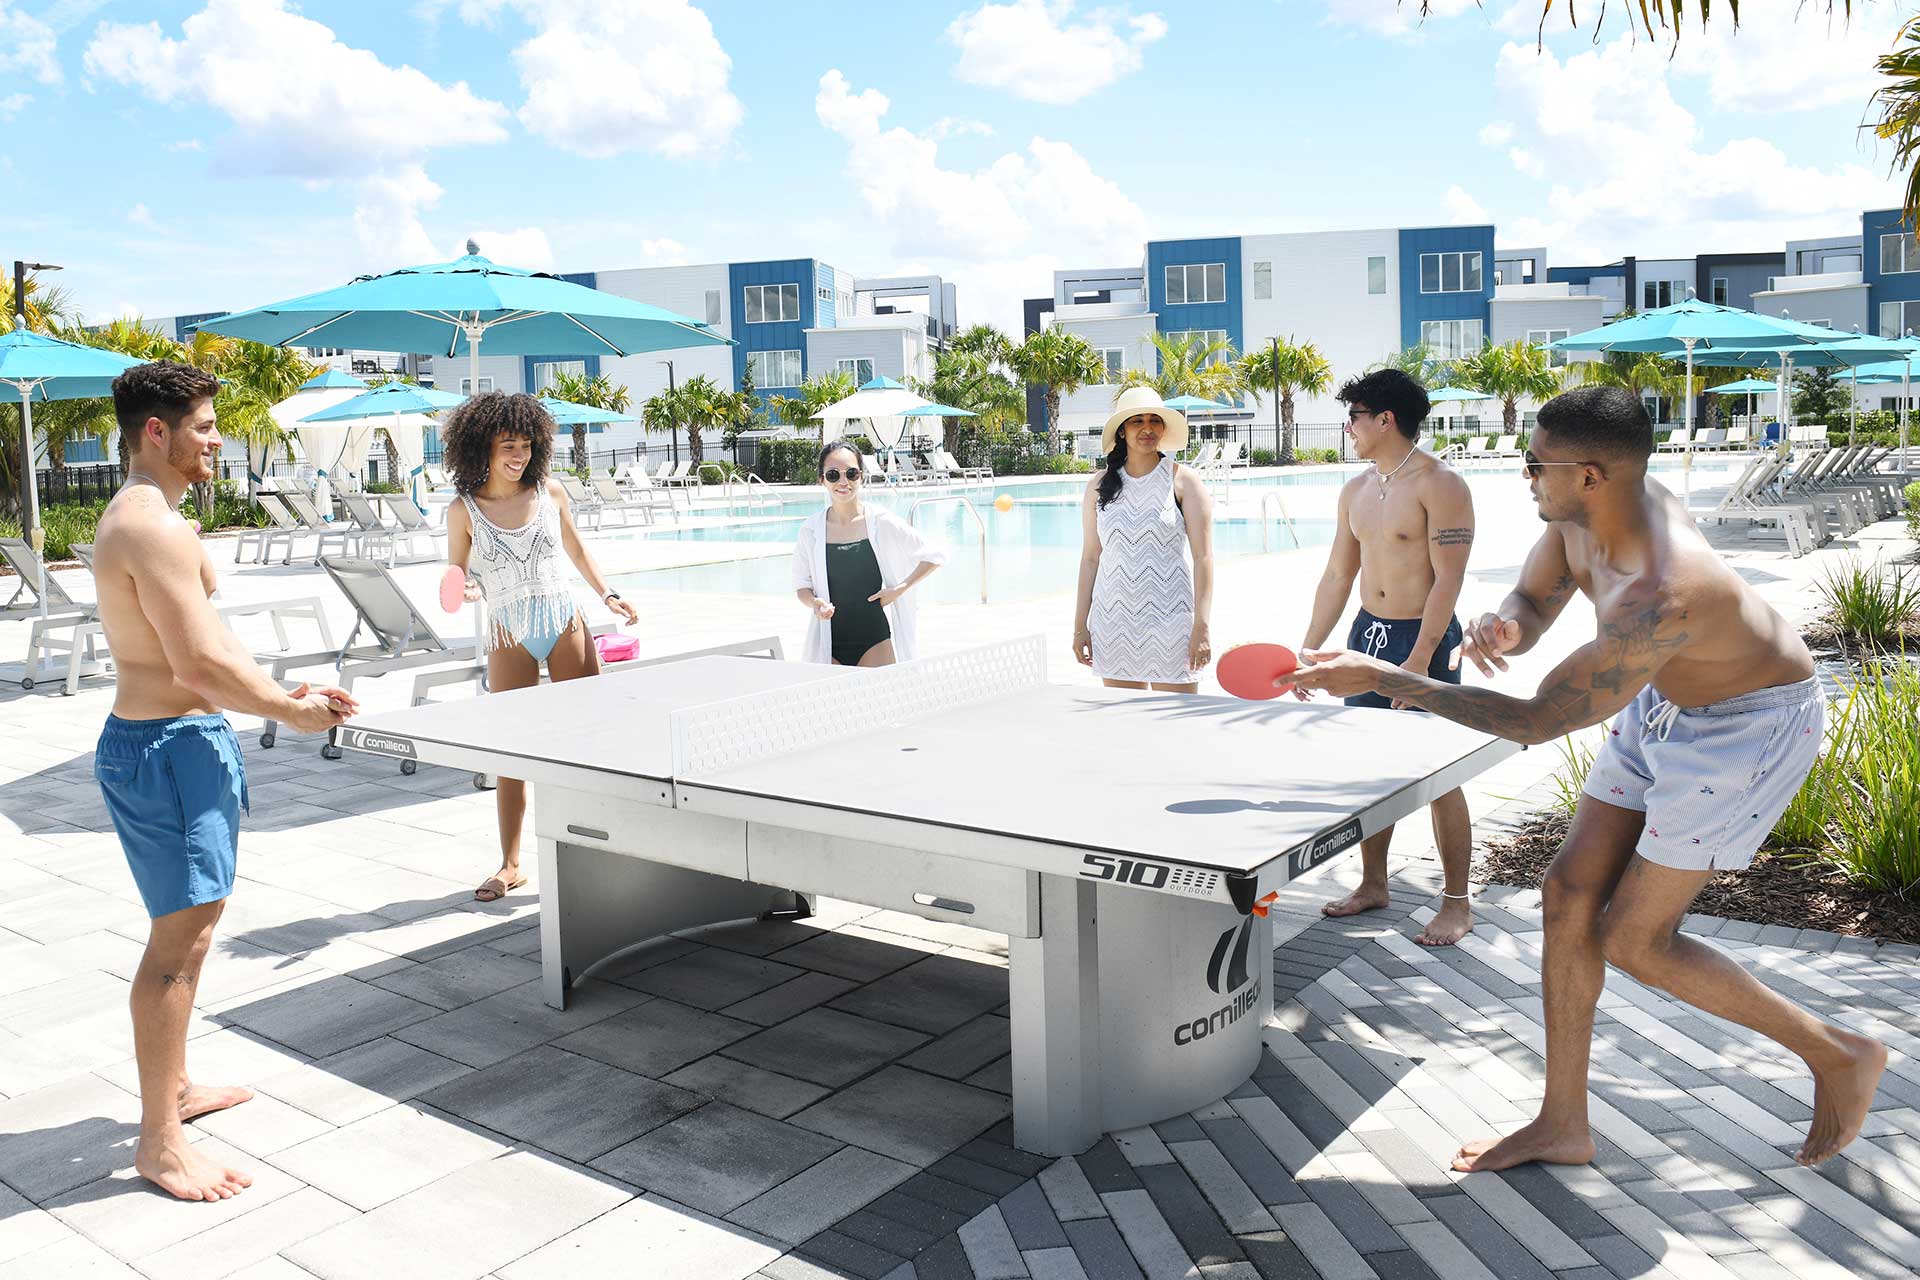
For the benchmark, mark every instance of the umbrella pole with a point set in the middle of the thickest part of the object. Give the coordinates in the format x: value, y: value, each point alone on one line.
x: 1686, y: 464
x: 30, y: 493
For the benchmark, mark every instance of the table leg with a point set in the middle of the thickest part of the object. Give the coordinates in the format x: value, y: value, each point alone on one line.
x: 1055, y: 997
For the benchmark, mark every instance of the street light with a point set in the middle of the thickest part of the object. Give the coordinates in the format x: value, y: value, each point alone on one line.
x: 29, y: 491
x: 673, y: 428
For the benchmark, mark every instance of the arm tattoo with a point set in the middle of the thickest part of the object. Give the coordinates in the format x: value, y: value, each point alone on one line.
x: 1561, y: 592
x: 1462, y: 537
x: 175, y: 980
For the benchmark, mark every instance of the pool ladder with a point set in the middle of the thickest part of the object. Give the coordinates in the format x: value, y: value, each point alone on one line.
x: 973, y: 511
x: 746, y: 479
x: 1266, y: 498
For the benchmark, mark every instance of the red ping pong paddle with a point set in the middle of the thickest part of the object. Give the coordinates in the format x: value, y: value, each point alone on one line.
x: 1249, y: 670
x: 453, y: 588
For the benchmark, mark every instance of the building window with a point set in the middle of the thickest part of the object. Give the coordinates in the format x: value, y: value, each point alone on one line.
x: 1452, y: 339
x: 1116, y: 359
x: 1262, y: 281
x: 1841, y: 262
x: 1719, y: 291
x: 1450, y: 272
x: 859, y: 366
x: 774, y: 368
x: 1197, y: 282
x: 772, y: 303
x: 1899, y: 253
x: 1376, y: 275
x: 544, y: 372
x: 824, y: 294
x: 466, y: 386
x: 1220, y: 356
x: 713, y: 307
x: 1541, y: 337
x: 846, y: 304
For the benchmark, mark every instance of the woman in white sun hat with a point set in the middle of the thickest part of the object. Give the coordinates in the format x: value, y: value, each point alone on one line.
x: 1141, y: 616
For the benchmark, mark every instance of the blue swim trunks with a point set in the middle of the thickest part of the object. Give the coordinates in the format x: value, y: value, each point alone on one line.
x: 1712, y: 780
x: 175, y: 789
x: 1392, y: 640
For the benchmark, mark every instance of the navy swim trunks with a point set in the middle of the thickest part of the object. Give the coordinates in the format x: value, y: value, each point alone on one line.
x: 1392, y: 640
x: 175, y: 789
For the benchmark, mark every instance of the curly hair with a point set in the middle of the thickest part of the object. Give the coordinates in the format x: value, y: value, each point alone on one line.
x: 470, y: 430
x: 163, y: 389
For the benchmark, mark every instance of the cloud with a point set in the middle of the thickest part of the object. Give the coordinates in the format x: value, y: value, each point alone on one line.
x: 663, y: 252
x: 1496, y: 133
x: 603, y: 77
x: 953, y: 127
x: 1033, y: 50
x: 187, y: 144
x: 1398, y: 18
x: 141, y: 216
x: 1463, y: 208
x: 1631, y: 170
x: 301, y: 103
x: 27, y: 45
x: 995, y: 224
x: 13, y: 104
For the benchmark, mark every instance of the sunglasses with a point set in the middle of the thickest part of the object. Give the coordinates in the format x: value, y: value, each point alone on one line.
x: 832, y: 475
x: 1354, y: 415
x: 1534, y: 466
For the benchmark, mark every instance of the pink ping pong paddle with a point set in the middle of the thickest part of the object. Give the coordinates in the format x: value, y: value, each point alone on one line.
x: 453, y: 588
x: 1249, y: 670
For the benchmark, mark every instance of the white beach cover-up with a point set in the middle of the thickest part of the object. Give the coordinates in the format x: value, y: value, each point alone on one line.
x: 1142, y: 616
x: 522, y: 576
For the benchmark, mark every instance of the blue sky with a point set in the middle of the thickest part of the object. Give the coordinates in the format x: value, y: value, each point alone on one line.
x: 225, y: 153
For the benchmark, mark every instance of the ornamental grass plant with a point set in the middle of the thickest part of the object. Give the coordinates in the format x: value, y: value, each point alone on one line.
x: 1871, y: 605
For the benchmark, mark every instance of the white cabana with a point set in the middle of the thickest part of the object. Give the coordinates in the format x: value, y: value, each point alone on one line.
x: 878, y: 406
x: 330, y: 447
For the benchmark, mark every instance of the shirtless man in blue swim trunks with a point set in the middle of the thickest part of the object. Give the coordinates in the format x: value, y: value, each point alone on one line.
x: 1716, y: 721
x: 167, y: 761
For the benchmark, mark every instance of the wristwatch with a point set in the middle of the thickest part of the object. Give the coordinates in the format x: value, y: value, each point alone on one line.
x: 610, y: 597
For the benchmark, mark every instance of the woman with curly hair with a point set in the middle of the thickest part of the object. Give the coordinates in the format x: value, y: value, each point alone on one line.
x: 507, y: 532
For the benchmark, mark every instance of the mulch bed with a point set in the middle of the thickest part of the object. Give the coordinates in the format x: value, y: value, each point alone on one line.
x: 1779, y: 888
x: 1828, y: 641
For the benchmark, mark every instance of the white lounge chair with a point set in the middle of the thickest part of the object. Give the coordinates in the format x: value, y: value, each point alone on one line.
x: 1479, y: 449
x: 681, y: 477
x: 1803, y: 528
x: 436, y: 478
x: 899, y: 473
x: 1508, y: 447
x: 948, y: 461
x: 1737, y: 438
x: 1206, y: 457
x: 1677, y: 441
x: 411, y: 523
x: 871, y: 468
x: 612, y: 501
x: 25, y: 563
x: 345, y: 532
x: 586, y: 503
x: 639, y: 487
x: 1235, y: 454
x: 282, y: 524
x: 380, y: 532
x: 1713, y: 440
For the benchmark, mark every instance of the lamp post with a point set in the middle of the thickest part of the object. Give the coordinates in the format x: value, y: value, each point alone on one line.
x: 673, y: 428
x: 29, y: 492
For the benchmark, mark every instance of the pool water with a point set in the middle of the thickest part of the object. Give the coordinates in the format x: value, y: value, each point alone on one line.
x: 1031, y: 550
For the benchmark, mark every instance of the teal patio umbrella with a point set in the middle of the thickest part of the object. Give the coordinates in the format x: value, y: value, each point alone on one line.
x: 1195, y: 404
x: 1748, y: 387
x: 34, y: 367
x: 445, y: 308
x: 1837, y: 351
x: 1445, y: 395
x: 568, y: 414
x: 391, y: 406
x: 937, y: 411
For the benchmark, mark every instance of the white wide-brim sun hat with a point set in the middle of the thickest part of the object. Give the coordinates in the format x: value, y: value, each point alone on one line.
x: 1138, y: 400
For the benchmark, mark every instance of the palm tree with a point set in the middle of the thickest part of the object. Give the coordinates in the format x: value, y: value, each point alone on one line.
x: 48, y: 308
x: 1642, y: 373
x: 1508, y: 373
x: 1419, y: 363
x: 1060, y: 363
x: 703, y: 404
x: 968, y: 379
x: 816, y: 393
x: 596, y: 392
x: 256, y: 378
x: 1899, y: 103
x: 1285, y: 368
x: 1189, y: 365
x: 983, y: 340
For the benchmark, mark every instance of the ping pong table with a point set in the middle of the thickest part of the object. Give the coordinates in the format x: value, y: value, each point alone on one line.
x: 1126, y: 843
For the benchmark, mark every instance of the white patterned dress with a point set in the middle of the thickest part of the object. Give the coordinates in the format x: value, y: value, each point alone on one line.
x: 1142, y: 616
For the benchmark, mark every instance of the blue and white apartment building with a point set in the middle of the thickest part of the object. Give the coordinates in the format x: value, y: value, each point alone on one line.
x: 1363, y: 295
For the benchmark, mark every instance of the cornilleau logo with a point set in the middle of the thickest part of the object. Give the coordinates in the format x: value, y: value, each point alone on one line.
x: 361, y: 740
x: 1227, y: 975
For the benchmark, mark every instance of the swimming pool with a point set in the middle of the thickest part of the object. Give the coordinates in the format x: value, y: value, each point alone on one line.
x: 1032, y: 550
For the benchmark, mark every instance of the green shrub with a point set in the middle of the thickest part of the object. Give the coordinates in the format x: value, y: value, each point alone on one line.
x: 391, y: 486
x: 1045, y: 464
x: 1264, y: 457
x: 1316, y: 455
x: 1576, y: 762
x: 1856, y: 811
x: 1913, y: 510
x: 1871, y: 604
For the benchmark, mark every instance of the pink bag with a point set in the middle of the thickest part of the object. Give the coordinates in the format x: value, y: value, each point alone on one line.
x: 615, y: 647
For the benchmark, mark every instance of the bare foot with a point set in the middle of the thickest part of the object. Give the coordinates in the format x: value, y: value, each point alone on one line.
x: 1841, y: 1096
x: 1450, y: 924
x: 180, y: 1171
x: 1522, y: 1146
x: 200, y: 1099
x: 1361, y: 899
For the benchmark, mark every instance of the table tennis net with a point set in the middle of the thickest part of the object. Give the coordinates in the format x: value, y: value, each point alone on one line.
x: 737, y: 731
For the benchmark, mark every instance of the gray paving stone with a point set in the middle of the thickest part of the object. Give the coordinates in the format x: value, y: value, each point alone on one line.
x: 1275, y: 1257
x: 1264, y: 1175
x: 945, y: 1260
x: 1781, y: 1106
x: 564, y: 1103
x: 1069, y: 1193
x: 357, y: 1082
x: 743, y: 1085
x: 717, y: 1158
x: 1408, y: 1265
x: 1352, y: 1214
x: 712, y: 977
x: 1204, y: 1237
x: 844, y: 1255
x: 828, y: 1046
x: 656, y: 1038
x: 387, y: 1154
x: 1179, y: 1129
x: 905, y: 1114
x: 486, y: 1214
x: 472, y: 1036
x: 997, y: 1076
x: 1102, y: 1252
x: 755, y: 937
x: 252, y: 1238
x: 1054, y: 1264
x: 1148, y: 1235
x: 964, y: 1050
x: 934, y: 995
x: 777, y: 1004
x: 807, y: 1204
x: 989, y: 1179
x: 1831, y: 1238
x: 74, y: 1256
x: 329, y: 1015
x: 1030, y: 1218
x: 461, y: 977
x: 1490, y: 1242
x: 129, y: 1218
x: 641, y: 958
x: 1106, y: 1169
x: 1307, y: 1113
x: 931, y: 1220
x: 848, y: 955
x: 989, y: 1246
x: 946, y: 1194
x: 1408, y: 1163
x: 66, y: 1135
x: 651, y: 1234
x: 1325, y: 1248
x: 1551, y: 1197
x: 901, y: 1239
x: 992, y: 1147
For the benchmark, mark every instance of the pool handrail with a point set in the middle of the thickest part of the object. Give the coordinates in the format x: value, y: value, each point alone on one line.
x: 1273, y: 495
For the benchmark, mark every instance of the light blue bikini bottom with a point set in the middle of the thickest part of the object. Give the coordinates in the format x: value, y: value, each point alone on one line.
x: 539, y: 641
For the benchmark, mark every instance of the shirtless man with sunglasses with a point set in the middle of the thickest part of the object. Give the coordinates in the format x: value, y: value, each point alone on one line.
x: 1717, y: 719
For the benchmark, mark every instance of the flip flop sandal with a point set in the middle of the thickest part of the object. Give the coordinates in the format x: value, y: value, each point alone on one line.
x: 492, y: 889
